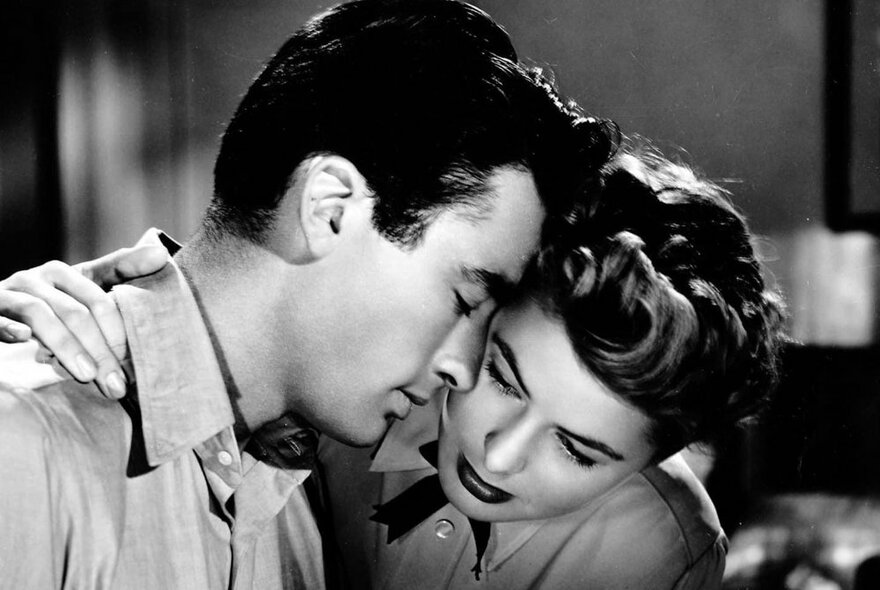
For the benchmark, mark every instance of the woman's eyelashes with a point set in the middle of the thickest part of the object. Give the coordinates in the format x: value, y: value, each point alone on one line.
x: 500, y: 382
x: 565, y: 446
x: 573, y: 454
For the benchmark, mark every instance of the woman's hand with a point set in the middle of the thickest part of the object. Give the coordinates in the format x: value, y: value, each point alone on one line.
x: 68, y: 311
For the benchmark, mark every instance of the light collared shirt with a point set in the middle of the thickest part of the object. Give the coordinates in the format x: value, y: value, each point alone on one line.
x: 152, y: 492
x: 657, y: 530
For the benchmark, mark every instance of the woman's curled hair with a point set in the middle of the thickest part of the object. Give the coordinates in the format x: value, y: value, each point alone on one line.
x: 659, y: 287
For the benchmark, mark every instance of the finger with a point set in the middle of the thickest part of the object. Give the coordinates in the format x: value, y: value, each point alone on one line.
x: 12, y: 331
x: 101, y: 305
x: 124, y: 264
x: 84, y: 311
x: 82, y: 317
x: 49, y: 329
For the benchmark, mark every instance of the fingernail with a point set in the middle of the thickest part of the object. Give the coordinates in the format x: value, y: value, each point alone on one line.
x: 87, y: 369
x: 115, y: 384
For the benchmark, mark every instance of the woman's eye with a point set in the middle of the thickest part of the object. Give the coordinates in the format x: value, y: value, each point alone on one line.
x: 573, y: 455
x: 462, y: 307
x: 500, y: 383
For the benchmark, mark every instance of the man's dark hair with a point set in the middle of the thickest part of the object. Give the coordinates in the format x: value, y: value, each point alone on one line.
x: 425, y: 97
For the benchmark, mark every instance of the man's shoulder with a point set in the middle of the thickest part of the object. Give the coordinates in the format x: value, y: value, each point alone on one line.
x: 28, y: 365
x: 64, y: 455
x: 41, y: 404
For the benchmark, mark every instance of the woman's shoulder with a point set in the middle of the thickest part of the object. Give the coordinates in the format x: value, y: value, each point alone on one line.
x: 658, y: 529
x: 678, y: 492
x: 664, y: 509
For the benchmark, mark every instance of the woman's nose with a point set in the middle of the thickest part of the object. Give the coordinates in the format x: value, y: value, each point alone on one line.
x: 506, y: 449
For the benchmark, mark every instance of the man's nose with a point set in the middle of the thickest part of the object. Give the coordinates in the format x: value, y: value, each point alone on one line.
x: 506, y: 447
x: 458, y: 361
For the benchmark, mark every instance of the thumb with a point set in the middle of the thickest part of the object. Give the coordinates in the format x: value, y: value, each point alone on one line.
x: 124, y: 264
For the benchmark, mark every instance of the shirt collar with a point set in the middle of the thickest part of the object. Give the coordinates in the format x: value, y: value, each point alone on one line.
x: 180, y: 388
x: 399, y: 450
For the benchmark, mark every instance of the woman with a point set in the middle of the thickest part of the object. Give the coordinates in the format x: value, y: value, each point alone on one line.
x: 651, y: 330
x: 648, y: 328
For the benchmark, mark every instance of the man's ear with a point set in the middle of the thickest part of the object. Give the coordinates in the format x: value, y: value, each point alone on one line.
x: 332, y: 193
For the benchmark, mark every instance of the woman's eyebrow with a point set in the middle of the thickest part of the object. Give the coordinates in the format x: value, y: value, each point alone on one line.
x: 593, y: 444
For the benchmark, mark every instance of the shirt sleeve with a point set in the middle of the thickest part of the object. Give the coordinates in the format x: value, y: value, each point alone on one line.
x: 707, y: 570
x: 31, y: 547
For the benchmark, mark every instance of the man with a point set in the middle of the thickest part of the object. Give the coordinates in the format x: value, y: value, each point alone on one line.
x: 378, y: 193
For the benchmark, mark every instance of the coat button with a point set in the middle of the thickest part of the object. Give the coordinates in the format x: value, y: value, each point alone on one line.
x: 225, y: 458
x: 443, y: 528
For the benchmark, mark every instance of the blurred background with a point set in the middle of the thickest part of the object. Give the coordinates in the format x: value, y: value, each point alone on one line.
x: 111, y: 113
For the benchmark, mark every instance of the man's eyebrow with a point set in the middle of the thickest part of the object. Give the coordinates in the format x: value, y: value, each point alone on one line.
x: 499, y: 287
x: 593, y: 444
x: 510, y: 358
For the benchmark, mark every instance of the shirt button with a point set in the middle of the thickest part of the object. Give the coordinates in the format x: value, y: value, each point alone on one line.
x: 443, y: 528
x: 225, y: 458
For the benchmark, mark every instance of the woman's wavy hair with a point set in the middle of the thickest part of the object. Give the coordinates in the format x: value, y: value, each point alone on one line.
x: 661, y: 292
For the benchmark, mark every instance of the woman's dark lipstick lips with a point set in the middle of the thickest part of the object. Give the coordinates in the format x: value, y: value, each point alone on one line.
x: 478, y: 488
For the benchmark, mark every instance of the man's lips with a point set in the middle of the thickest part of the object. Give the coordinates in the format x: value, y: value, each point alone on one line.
x: 478, y: 488
x: 407, y: 401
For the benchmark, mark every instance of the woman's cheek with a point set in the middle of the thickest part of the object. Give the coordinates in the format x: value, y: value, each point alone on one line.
x: 469, y: 418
